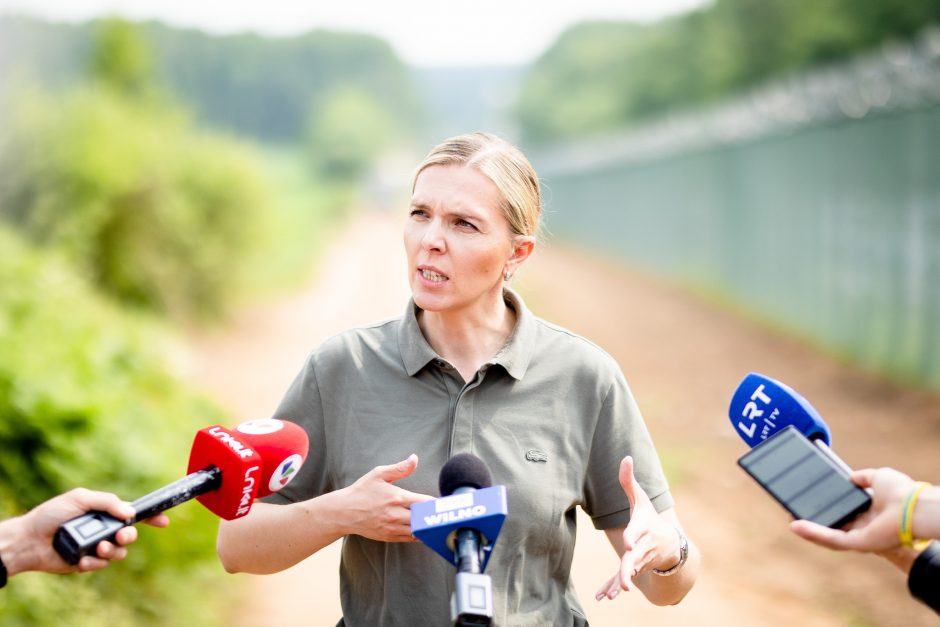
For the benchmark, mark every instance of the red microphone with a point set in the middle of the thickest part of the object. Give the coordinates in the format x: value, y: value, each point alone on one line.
x: 258, y: 458
x: 228, y: 470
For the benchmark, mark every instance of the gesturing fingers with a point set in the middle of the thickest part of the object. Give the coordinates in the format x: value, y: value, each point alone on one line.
x: 394, y: 472
x: 631, y: 565
x: 410, y: 498
x: 610, y: 589
x: 636, y: 559
x: 639, y: 500
x: 626, y: 479
x: 378, y: 509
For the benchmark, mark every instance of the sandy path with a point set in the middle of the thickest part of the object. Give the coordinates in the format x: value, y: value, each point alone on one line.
x: 683, y: 360
x: 249, y: 365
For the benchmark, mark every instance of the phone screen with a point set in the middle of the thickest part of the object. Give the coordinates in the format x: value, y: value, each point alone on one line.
x: 804, y: 479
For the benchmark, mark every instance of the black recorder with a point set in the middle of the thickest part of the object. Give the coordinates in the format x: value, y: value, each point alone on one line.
x: 805, y: 479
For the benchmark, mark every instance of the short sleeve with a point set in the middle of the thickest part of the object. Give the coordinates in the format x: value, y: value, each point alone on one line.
x: 620, y: 431
x: 302, y: 405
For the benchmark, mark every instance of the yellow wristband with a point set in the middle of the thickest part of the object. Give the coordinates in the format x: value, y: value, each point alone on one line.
x: 906, y: 522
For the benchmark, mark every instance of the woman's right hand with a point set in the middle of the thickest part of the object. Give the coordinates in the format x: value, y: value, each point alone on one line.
x: 375, y: 508
x: 274, y: 537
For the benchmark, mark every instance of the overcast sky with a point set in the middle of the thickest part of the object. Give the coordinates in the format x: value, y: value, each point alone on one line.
x: 423, y: 32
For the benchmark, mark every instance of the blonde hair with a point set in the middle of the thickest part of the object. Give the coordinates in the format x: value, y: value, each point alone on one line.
x: 502, y: 163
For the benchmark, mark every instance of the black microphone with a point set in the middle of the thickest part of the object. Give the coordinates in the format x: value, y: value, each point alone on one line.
x: 472, y: 603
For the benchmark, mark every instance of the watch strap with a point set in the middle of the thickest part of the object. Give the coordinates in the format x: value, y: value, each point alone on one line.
x: 683, y: 555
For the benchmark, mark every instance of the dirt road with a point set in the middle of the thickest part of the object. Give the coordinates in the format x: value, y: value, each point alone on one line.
x: 683, y: 359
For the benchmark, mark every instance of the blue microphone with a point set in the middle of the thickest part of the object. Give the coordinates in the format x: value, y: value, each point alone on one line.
x: 462, y: 527
x: 763, y: 407
x: 781, y: 428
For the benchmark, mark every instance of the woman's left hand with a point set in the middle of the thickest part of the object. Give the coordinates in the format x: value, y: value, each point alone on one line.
x: 648, y: 541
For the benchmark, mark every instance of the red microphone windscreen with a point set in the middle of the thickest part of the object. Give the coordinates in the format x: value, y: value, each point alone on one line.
x: 241, y: 470
x: 257, y: 458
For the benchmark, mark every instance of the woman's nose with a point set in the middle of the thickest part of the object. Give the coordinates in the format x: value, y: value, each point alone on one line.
x: 433, y: 238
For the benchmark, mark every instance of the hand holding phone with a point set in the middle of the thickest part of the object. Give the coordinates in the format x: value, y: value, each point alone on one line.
x: 808, y: 481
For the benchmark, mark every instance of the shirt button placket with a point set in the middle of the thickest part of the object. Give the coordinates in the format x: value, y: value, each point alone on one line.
x: 462, y: 439
x: 463, y: 424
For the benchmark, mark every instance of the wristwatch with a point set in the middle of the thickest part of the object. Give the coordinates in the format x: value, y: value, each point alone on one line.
x: 3, y: 574
x: 683, y: 555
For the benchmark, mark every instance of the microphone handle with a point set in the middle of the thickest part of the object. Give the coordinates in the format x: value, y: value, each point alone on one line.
x: 80, y: 536
x: 832, y: 456
x: 173, y: 494
x: 468, y: 551
x: 472, y: 602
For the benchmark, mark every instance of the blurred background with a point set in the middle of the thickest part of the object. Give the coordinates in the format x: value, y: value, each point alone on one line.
x: 166, y: 167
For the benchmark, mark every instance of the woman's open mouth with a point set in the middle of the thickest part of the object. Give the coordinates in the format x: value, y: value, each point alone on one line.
x: 432, y: 276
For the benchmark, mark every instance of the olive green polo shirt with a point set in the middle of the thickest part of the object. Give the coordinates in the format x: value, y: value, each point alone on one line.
x: 550, y: 414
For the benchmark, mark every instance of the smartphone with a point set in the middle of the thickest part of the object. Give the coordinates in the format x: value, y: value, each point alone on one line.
x: 805, y: 479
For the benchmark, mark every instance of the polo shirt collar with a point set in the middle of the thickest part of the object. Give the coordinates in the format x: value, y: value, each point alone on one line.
x: 416, y: 353
x: 515, y: 355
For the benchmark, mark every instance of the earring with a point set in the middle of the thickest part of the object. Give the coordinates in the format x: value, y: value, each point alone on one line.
x: 506, y: 275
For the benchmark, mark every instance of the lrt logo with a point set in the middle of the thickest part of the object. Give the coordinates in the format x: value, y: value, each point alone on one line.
x: 284, y: 472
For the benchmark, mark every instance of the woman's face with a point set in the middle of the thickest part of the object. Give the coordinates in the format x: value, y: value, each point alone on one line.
x: 457, y: 239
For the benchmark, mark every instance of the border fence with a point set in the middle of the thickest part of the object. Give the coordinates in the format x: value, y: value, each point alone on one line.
x: 813, y: 203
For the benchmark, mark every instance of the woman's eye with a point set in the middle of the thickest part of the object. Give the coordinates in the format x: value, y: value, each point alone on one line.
x: 417, y: 213
x: 465, y: 224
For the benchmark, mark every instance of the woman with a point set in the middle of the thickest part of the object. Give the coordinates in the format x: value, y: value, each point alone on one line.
x: 467, y: 369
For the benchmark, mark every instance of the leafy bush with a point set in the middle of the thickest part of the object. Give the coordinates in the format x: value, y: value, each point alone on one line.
x: 86, y: 399
x: 147, y: 209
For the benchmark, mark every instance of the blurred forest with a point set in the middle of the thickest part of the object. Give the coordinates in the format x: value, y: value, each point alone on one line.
x: 608, y: 75
x: 129, y: 204
x: 185, y: 127
x: 264, y: 88
x: 154, y: 177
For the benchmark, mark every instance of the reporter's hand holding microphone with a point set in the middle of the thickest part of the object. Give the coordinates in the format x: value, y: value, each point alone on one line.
x: 879, y: 511
x: 26, y: 541
x: 82, y: 529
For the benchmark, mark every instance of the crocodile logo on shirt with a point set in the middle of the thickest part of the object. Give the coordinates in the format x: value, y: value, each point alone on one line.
x: 535, y: 455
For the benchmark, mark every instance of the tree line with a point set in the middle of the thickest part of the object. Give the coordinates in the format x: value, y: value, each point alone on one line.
x: 266, y: 89
x: 595, y: 77
x: 603, y: 75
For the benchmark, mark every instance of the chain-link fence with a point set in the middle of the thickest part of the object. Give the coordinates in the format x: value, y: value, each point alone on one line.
x: 813, y: 202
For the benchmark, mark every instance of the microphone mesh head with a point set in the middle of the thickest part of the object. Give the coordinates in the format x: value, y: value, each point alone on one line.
x: 464, y: 470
